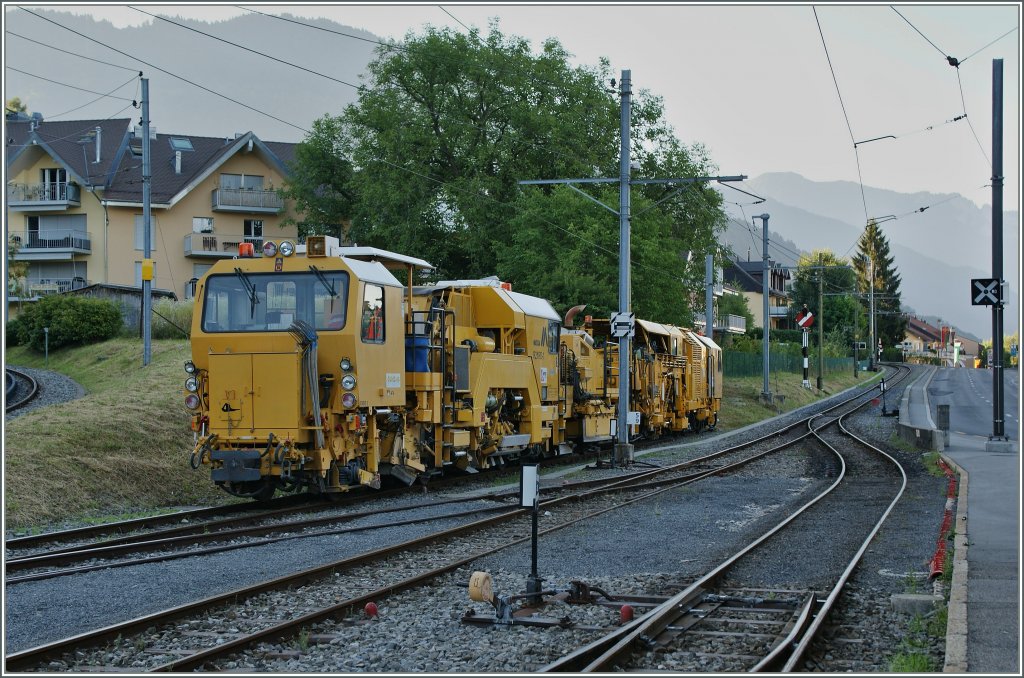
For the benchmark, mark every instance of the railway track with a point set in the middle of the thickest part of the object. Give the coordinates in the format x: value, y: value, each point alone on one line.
x: 274, y: 524
x: 740, y: 628
x: 57, y: 653
x: 20, y: 389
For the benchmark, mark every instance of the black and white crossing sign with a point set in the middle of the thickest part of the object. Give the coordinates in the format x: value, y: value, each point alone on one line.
x: 985, y: 292
x: 623, y: 324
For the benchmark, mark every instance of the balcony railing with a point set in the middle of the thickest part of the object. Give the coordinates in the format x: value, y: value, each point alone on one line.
x: 733, y: 324
x: 220, y: 246
x: 41, y: 286
x: 44, y: 196
x: 52, y: 240
x: 778, y: 311
x: 246, y: 200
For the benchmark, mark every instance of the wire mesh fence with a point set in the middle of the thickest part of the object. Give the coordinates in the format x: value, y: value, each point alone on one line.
x: 736, y: 364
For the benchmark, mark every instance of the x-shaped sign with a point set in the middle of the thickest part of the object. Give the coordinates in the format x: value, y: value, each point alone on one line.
x: 984, y: 291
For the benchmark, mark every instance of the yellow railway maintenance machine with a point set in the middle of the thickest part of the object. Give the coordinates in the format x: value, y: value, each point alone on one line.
x: 316, y: 368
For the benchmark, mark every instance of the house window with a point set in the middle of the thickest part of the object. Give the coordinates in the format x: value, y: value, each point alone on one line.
x: 239, y: 181
x: 179, y: 144
x: 139, y: 233
x: 252, y: 229
x: 54, y: 182
x: 202, y: 224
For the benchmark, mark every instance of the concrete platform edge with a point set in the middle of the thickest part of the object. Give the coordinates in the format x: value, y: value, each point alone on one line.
x: 956, y: 620
x: 928, y: 438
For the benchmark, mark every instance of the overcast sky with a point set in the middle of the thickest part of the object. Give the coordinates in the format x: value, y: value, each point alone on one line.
x: 753, y: 84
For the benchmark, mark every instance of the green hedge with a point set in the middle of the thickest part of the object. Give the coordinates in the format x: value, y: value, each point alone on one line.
x: 72, y: 320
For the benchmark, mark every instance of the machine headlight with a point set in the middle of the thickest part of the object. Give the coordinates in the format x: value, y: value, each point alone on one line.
x: 269, y: 248
x: 190, y: 367
x: 191, y: 384
x: 287, y: 248
x: 192, y: 401
x: 348, y: 400
x: 348, y: 382
x: 346, y: 365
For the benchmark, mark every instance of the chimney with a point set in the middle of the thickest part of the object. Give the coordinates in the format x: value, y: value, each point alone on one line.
x: 152, y: 132
x: 177, y: 162
x: 99, y: 131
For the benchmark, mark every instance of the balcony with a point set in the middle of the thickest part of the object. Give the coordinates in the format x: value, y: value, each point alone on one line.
x: 48, y: 197
x: 55, y: 243
x: 38, y: 287
x: 778, y: 311
x: 246, y: 200
x: 220, y: 246
x: 733, y: 324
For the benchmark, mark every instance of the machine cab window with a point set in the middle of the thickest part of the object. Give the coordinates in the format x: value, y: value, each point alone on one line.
x: 271, y: 302
x: 372, y: 321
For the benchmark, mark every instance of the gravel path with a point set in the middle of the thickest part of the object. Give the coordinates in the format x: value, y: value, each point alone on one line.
x: 53, y: 388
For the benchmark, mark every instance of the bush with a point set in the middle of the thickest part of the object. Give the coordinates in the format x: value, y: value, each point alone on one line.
x: 13, y: 335
x: 72, y: 320
x: 172, y: 319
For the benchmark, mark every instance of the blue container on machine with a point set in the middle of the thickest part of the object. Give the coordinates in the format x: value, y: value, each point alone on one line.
x: 416, y: 351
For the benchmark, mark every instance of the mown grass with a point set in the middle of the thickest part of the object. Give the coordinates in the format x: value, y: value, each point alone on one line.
x: 122, y: 448
x: 742, y: 404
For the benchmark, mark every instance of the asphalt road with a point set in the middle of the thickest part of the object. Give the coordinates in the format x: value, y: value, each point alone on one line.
x: 968, y: 392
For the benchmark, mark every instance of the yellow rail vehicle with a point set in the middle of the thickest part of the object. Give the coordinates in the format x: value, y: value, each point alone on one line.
x: 317, y: 369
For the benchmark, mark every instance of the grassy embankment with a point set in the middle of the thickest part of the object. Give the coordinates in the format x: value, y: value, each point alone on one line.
x: 124, y: 447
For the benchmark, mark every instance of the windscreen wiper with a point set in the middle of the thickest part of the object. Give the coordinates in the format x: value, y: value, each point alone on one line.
x: 250, y: 289
x: 323, y: 279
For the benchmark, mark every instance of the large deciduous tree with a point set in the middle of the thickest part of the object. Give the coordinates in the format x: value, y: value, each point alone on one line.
x: 447, y: 126
x: 839, y: 310
x: 873, y: 255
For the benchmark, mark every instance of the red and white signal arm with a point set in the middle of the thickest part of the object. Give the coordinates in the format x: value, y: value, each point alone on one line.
x: 805, y: 320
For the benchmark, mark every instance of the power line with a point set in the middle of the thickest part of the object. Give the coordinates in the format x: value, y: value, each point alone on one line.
x: 326, y: 30
x: 980, y: 147
x: 64, y: 84
x: 989, y: 44
x: 134, y: 101
x: 247, y: 49
x: 454, y: 17
x: 173, y: 75
x: 947, y: 57
x: 80, y: 56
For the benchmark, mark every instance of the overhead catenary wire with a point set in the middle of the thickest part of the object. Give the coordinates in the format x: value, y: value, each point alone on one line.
x: 849, y: 127
x: 134, y: 103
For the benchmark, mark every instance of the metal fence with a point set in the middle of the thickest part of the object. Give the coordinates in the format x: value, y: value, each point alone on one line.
x: 737, y: 364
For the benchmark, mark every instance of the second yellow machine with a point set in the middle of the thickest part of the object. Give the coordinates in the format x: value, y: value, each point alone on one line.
x: 314, y: 368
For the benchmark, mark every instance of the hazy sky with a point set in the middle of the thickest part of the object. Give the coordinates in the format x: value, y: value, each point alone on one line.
x: 752, y: 83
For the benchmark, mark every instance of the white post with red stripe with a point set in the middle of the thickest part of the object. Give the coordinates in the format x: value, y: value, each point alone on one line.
x: 804, y: 319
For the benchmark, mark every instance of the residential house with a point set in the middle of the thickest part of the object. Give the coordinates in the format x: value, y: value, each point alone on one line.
x: 747, y: 277
x: 75, y: 202
x: 921, y: 338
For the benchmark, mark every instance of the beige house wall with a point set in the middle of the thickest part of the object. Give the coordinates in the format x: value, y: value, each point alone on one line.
x: 17, y: 220
x: 171, y: 226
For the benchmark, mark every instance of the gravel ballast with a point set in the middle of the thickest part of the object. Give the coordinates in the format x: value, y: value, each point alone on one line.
x: 643, y: 548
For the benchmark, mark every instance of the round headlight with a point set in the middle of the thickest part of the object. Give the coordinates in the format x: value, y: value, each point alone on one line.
x: 346, y: 365
x: 190, y: 367
x: 348, y: 382
x: 192, y: 401
x: 191, y: 384
x: 269, y: 248
x: 287, y: 248
x: 348, y: 400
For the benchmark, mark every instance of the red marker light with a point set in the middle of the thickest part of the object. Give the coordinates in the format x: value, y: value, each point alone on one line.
x: 370, y: 609
x: 626, y: 613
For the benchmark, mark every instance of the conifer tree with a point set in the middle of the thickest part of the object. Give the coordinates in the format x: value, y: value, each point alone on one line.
x: 873, y: 247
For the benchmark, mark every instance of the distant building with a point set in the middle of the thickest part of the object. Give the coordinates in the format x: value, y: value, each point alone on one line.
x: 747, y: 277
x: 75, y: 212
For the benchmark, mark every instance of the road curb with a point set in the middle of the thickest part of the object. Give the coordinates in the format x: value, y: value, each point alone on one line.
x: 956, y: 621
